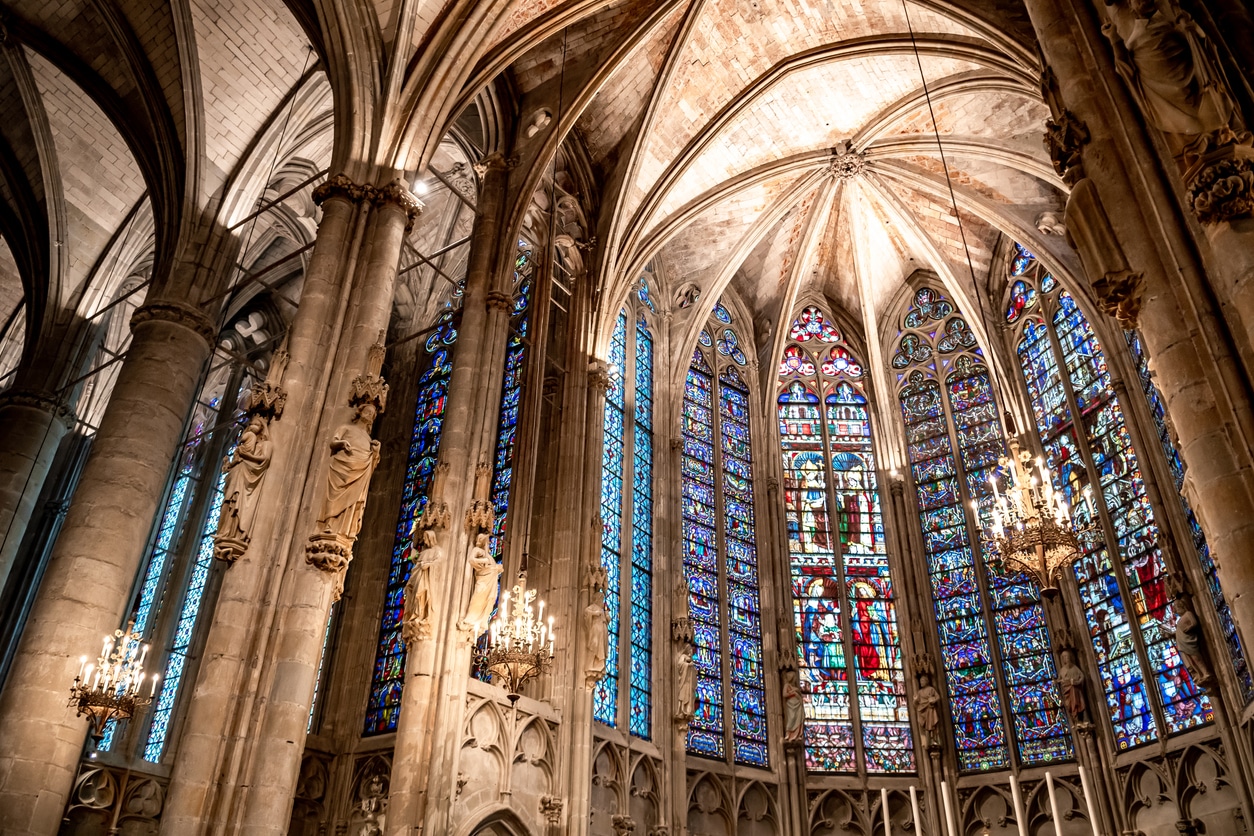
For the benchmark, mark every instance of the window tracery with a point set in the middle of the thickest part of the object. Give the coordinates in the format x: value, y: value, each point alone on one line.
x: 844, y: 603
x: 721, y: 561
x: 1122, y: 576
x: 1005, y: 703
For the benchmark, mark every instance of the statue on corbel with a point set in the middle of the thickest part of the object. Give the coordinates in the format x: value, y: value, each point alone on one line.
x: 1189, y: 636
x: 246, y: 467
x: 425, y: 552
x: 927, y: 701
x: 354, y: 457
x: 596, y: 625
x: 1174, y: 73
x: 484, y: 570
x: 1071, y: 679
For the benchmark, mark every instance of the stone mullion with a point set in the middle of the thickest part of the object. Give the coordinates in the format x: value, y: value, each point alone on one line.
x: 34, y: 425
x: 315, y: 567
x: 218, y: 716
x: 103, y: 539
x: 434, y: 667
x: 1205, y: 390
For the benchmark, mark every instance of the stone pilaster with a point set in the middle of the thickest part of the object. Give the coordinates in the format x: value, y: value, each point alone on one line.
x: 34, y: 424
x: 85, y: 589
x: 1205, y: 389
x: 354, y: 392
x: 423, y: 779
x: 206, y: 764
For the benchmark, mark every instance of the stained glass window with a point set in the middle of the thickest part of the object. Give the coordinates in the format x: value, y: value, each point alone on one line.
x: 1122, y: 577
x: 1159, y: 413
x: 640, y: 696
x: 844, y: 605
x: 605, y: 694
x: 383, y: 707
x: 720, y: 557
x: 994, y: 638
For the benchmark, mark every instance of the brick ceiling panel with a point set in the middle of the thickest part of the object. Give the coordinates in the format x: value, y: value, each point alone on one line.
x: 807, y: 110
x: 251, y: 55
x: 625, y: 95
x: 590, y: 35
x: 99, y: 178
x: 736, y: 41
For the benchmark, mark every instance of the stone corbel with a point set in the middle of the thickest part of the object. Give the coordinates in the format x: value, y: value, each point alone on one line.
x: 1065, y: 138
x: 599, y: 377
x: 623, y: 825
x: 551, y: 809
x: 1219, y: 174
x: 396, y: 193
x: 178, y: 313
x: 498, y: 301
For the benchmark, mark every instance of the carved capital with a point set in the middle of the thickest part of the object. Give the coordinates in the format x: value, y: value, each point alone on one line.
x: 551, y: 809
x: 599, y: 377
x: 1065, y: 138
x: 398, y: 194
x: 623, y: 825
x: 178, y: 313
x: 341, y: 187
x: 229, y: 549
x: 331, y: 554
x: 772, y: 485
x: 496, y: 161
x: 498, y: 301
x: 1119, y: 295
x: 37, y: 399
x: 1219, y: 173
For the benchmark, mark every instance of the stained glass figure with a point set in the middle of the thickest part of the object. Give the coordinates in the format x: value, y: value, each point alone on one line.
x: 810, y: 324
x: 994, y: 639
x: 1020, y: 261
x: 1159, y: 413
x: 1122, y: 581
x: 720, y: 559
x: 1022, y: 298
x: 388, y: 677
x: 642, y: 293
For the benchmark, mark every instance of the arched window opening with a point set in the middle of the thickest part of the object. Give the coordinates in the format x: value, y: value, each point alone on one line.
x: 627, y: 521
x: 844, y: 604
x: 387, y: 679
x: 1122, y: 577
x: 1005, y: 703
x: 720, y: 550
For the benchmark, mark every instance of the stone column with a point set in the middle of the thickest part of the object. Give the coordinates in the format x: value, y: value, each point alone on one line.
x: 317, y: 561
x: 436, y: 668
x: 34, y: 424
x: 1141, y: 261
x: 88, y: 580
x: 217, y: 715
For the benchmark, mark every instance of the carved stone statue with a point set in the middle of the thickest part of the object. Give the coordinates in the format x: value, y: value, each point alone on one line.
x: 685, y: 683
x: 354, y: 455
x: 794, y: 710
x: 1071, y: 684
x: 1191, y: 643
x: 596, y: 632
x: 417, y: 624
x: 245, y: 471
x: 487, y: 573
x: 927, y: 707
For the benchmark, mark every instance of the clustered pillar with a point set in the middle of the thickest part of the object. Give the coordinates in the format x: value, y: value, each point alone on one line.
x: 85, y: 589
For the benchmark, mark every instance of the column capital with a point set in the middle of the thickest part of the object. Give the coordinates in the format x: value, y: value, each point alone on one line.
x: 339, y: 185
x: 177, y: 313
x: 36, y: 399
x: 396, y: 193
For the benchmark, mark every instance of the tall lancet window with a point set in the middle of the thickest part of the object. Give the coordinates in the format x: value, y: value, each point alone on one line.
x: 994, y: 641
x: 387, y: 680
x: 627, y: 517
x: 844, y: 604
x: 1209, y: 570
x: 720, y: 550
x: 1122, y: 578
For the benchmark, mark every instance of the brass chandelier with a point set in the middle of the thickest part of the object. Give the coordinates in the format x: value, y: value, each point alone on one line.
x: 1032, y: 530
x: 520, y: 643
x: 109, y: 688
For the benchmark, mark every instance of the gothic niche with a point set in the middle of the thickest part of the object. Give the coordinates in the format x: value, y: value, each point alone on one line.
x: 758, y: 815
x: 643, y: 803
x: 991, y: 811
x: 836, y: 814
x: 708, y: 807
x: 1208, y: 800
x: 606, y: 785
x: 371, y: 784
x: 309, y: 808
x: 1150, y: 806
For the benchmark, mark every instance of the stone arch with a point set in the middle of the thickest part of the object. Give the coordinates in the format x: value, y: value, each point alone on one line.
x: 499, y: 822
x: 757, y: 813
x: 990, y: 811
x: 709, y: 810
x: 606, y: 802
x: 1206, y: 794
x: 1149, y: 801
x: 837, y: 814
x: 644, y: 800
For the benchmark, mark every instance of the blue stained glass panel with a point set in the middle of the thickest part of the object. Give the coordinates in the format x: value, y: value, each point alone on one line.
x: 605, y: 693
x: 641, y: 692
